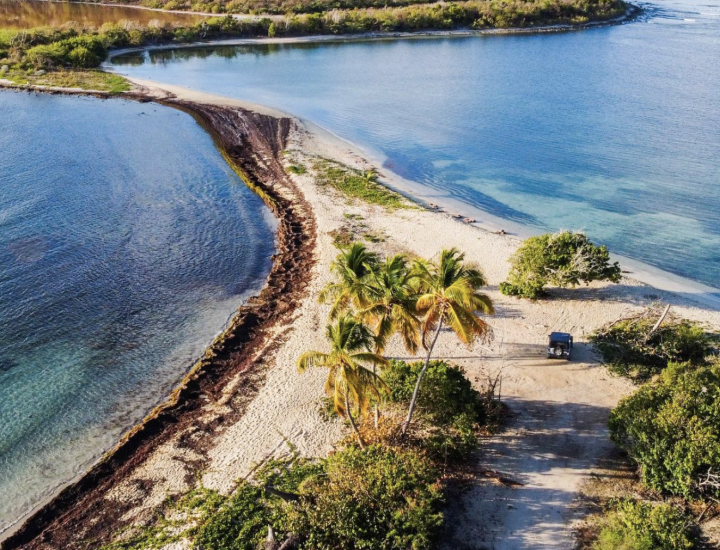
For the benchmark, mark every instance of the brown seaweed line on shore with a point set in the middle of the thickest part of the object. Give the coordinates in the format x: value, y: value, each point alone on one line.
x: 79, y: 516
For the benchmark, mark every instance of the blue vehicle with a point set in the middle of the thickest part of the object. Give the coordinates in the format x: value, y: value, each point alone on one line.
x: 560, y: 345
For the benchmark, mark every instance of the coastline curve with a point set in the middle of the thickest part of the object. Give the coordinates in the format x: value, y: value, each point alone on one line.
x: 251, y: 143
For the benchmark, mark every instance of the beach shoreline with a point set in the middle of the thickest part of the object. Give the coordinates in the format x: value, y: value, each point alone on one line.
x: 581, y: 310
x: 246, y: 332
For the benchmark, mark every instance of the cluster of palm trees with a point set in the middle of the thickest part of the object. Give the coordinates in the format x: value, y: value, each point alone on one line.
x: 374, y: 299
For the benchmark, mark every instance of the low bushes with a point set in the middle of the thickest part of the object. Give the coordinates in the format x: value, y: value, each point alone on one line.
x: 672, y: 430
x: 355, y: 499
x: 450, y: 410
x: 79, y: 51
x: 379, y: 497
x: 633, y: 525
x: 631, y: 347
x: 563, y: 259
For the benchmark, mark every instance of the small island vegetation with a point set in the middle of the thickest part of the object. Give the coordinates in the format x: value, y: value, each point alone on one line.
x: 563, y: 259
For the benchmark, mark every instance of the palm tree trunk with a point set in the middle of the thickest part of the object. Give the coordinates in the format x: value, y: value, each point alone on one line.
x: 377, y: 406
x: 352, y: 421
x: 413, y: 401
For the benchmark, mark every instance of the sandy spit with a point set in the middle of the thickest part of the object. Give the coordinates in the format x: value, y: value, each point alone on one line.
x: 557, y: 435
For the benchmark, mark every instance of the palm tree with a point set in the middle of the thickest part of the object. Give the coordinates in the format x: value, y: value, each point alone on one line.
x: 449, y: 296
x: 352, y: 266
x: 349, y: 380
x: 391, y: 296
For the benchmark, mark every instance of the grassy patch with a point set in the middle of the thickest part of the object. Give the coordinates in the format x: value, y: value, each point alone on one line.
x: 297, y: 169
x: 85, y: 80
x: 356, y: 184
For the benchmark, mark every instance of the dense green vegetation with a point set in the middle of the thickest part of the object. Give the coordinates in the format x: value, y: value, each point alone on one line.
x: 671, y: 428
x: 563, y: 259
x: 452, y: 413
x: 380, y: 497
x: 74, y: 46
x: 632, y: 348
x: 501, y: 12
x: 634, y: 525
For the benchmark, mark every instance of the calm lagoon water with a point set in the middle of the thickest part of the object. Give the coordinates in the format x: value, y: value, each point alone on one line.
x: 23, y: 14
x: 126, y: 242
x: 612, y: 130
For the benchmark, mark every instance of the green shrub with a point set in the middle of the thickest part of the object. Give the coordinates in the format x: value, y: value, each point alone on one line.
x: 241, y: 524
x: 449, y: 408
x: 368, y: 499
x: 446, y: 392
x: 628, y: 348
x: 46, y: 55
x: 672, y: 429
x: 633, y: 525
x: 79, y: 51
x: 563, y: 259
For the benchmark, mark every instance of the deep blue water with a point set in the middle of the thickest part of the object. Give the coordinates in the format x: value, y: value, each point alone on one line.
x: 613, y: 130
x: 126, y: 242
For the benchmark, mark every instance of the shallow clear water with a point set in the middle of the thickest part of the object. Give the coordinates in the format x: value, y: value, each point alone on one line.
x: 126, y: 242
x: 23, y: 14
x: 613, y: 130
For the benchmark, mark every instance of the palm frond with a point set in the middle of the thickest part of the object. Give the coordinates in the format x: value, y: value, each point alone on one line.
x: 311, y: 359
x: 370, y: 358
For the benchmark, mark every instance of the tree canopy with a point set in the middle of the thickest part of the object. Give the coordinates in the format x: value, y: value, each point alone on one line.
x: 672, y: 430
x: 563, y: 259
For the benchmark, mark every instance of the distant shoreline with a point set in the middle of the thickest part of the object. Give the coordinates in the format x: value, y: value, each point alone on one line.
x: 632, y: 12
